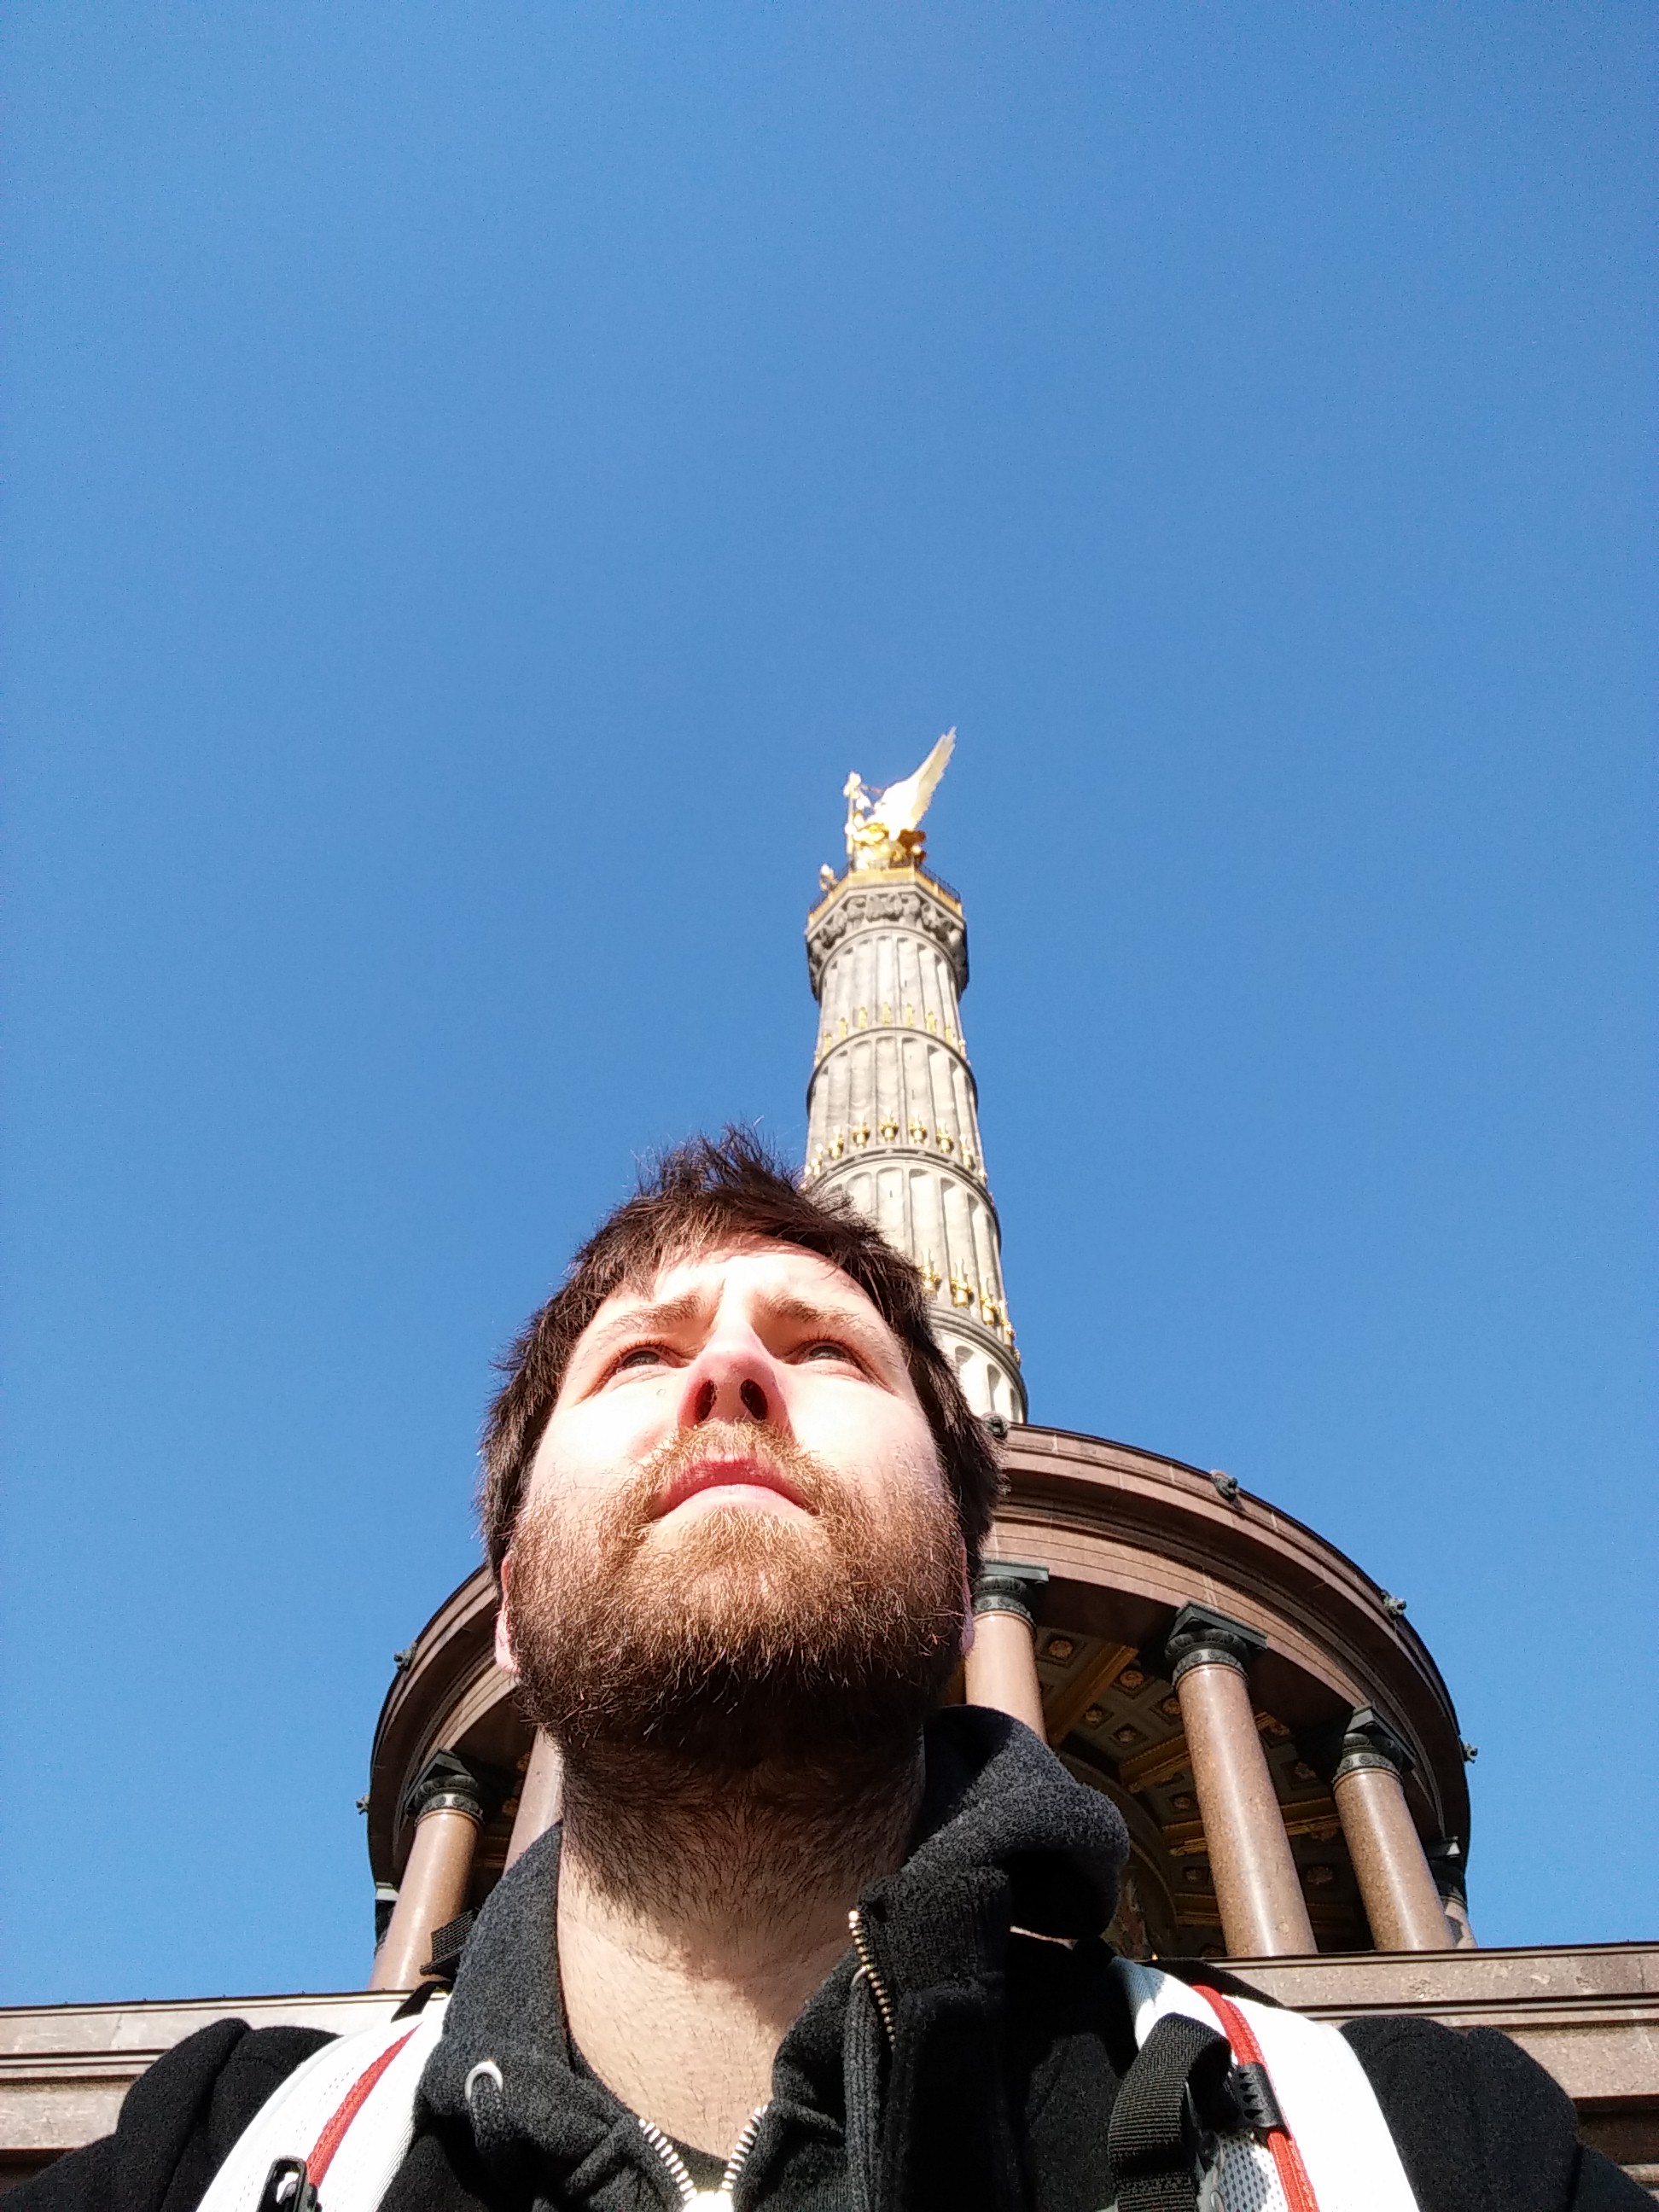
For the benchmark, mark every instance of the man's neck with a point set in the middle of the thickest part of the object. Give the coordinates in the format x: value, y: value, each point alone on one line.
x: 697, y: 1915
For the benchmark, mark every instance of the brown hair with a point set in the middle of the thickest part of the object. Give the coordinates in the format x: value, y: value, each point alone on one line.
x: 702, y: 1195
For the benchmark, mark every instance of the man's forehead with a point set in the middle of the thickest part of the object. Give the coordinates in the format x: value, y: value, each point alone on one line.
x: 753, y: 1266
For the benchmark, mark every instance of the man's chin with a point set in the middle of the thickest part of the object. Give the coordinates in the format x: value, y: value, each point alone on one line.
x: 729, y: 1535
x: 754, y: 1497
x: 744, y: 1578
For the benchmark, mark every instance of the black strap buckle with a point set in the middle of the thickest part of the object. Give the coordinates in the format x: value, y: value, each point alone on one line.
x: 1252, y: 2092
x: 1179, y: 2099
x: 289, y: 2188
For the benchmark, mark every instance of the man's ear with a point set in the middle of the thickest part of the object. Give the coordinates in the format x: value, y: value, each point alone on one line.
x: 504, y: 1658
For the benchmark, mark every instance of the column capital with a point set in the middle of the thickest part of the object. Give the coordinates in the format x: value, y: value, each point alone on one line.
x: 1372, y: 1740
x: 1009, y: 1586
x: 446, y: 1784
x: 1200, y: 1637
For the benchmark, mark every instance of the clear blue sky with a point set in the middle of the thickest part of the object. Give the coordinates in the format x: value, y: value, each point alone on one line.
x: 478, y: 479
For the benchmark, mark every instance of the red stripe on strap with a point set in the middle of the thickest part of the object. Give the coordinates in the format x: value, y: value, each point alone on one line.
x: 1292, y: 2173
x: 355, y: 2098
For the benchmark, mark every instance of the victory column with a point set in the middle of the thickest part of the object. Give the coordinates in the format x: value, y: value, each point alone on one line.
x: 892, y: 1110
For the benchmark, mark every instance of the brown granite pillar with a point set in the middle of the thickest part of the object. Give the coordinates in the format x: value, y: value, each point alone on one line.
x: 448, y: 1809
x: 1001, y: 1668
x: 1258, y: 1890
x: 540, y: 1796
x: 1400, y: 1899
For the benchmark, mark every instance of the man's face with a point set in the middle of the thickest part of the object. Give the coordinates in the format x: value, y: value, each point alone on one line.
x: 736, y: 1532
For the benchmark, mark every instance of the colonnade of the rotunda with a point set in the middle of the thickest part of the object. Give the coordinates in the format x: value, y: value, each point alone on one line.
x: 1278, y: 1741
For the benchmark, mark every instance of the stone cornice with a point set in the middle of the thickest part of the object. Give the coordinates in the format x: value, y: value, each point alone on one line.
x: 1107, y: 1516
x: 890, y: 900
x: 448, y: 1674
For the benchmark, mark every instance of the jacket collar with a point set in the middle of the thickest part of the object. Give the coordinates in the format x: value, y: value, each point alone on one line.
x: 1006, y: 1836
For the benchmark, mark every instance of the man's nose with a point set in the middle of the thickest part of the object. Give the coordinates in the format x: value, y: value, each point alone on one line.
x: 732, y: 1379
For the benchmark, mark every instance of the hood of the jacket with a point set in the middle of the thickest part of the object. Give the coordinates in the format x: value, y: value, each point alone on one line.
x: 1005, y: 1838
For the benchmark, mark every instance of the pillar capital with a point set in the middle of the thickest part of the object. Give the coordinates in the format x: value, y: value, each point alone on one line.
x: 1009, y: 1586
x: 1200, y: 1637
x: 1001, y: 1664
x: 1372, y: 1740
x: 446, y: 1784
x: 445, y: 1808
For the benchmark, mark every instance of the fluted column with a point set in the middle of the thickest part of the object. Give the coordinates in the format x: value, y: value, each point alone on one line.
x: 1398, y: 1890
x: 892, y: 1111
x: 540, y: 1796
x: 447, y: 1806
x: 1001, y: 1667
x: 1258, y: 1890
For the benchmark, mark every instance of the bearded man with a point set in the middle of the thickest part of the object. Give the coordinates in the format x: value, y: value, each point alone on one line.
x: 807, y: 1939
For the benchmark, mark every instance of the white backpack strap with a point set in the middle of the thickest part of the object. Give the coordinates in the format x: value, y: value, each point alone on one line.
x: 347, y: 2114
x: 1331, y: 2113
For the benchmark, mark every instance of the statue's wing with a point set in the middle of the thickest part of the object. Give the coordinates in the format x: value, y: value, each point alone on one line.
x: 902, y: 805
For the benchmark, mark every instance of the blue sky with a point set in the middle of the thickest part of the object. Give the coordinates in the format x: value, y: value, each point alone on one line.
x: 478, y: 479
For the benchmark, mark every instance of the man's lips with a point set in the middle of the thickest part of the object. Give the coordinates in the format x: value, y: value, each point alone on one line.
x: 742, y: 1481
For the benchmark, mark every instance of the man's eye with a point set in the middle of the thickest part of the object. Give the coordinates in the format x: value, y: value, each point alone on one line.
x: 826, y: 1348
x: 639, y: 1355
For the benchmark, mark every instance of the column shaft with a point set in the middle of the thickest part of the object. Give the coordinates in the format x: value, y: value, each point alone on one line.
x: 433, y: 1892
x: 892, y: 1123
x: 1001, y: 1667
x: 540, y: 1797
x: 1000, y: 1670
x: 1264, y: 1914
x: 1401, y: 1902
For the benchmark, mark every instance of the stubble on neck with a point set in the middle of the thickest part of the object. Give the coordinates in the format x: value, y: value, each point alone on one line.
x: 698, y: 1913
x: 707, y: 1858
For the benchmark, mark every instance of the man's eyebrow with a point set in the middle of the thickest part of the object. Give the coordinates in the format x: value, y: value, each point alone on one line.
x: 827, y: 1313
x: 667, y: 1314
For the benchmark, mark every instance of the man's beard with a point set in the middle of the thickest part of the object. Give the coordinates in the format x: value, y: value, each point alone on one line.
x: 744, y: 1683
x: 743, y: 1636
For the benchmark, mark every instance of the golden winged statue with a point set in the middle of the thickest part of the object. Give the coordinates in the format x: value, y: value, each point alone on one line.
x: 882, y: 826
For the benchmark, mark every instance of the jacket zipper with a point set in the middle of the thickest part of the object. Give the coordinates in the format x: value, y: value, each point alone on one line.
x: 871, y: 1974
x: 720, y: 2200
x: 707, y: 2200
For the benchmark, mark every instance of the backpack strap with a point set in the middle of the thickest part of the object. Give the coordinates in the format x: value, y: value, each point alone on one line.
x: 348, y: 2113
x: 1257, y: 2094
x: 1309, y: 2133
x: 1157, y: 2144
